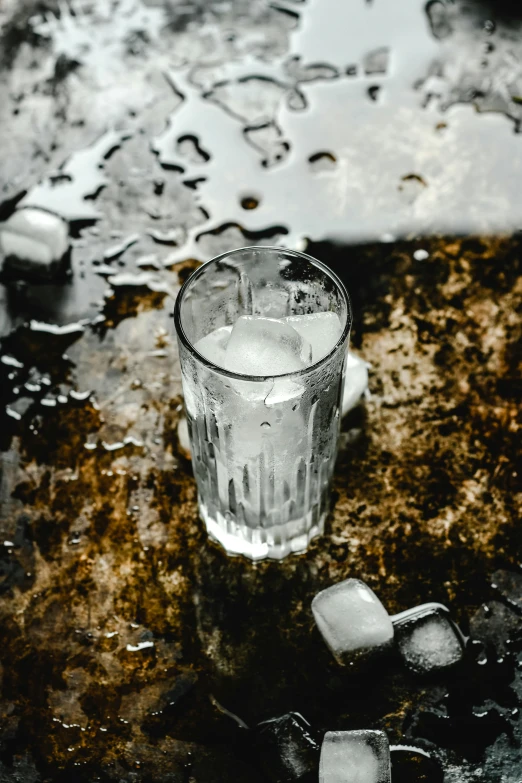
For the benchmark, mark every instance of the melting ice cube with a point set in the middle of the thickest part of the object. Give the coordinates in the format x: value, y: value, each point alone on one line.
x: 427, y: 638
x: 321, y: 330
x: 265, y: 346
x: 352, y: 620
x: 213, y: 345
x: 287, y: 749
x: 355, y: 381
x: 34, y: 243
x: 355, y: 757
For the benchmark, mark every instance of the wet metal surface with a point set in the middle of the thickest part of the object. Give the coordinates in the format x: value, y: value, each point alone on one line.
x: 384, y: 138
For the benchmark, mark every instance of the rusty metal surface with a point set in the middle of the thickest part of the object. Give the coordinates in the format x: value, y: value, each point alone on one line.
x: 127, y: 637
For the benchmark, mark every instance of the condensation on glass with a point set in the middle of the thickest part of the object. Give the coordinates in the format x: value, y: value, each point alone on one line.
x: 263, y: 448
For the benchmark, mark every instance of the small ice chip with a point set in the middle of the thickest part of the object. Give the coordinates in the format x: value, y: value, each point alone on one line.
x: 33, y: 243
x: 355, y: 757
x: 427, y: 638
x: 287, y: 749
x: 352, y: 621
x: 355, y: 381
x: 213, y: 345
x: 265, y: 346
x: 321, y: 330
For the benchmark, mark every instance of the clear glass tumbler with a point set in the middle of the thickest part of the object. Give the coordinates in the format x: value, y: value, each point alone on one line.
x: 263, y: 448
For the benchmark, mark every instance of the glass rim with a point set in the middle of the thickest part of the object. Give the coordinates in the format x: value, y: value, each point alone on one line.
x: 261, y: 378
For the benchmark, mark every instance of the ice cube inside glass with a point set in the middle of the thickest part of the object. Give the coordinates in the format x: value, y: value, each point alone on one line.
x: 355, y: 757
x: 352, y: 621
x: 427, y: 638
x: 263, y: 411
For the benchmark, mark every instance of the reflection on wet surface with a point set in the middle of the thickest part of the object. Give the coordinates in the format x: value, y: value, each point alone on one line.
x: 376, y: 135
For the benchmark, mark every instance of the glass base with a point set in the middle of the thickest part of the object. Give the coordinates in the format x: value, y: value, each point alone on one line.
x: 273, y: 543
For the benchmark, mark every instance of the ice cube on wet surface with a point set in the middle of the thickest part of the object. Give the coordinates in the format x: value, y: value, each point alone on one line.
x: 352, y: 621
x: 214, y: 344
x: 355, y: 381
x: 33, y: 243
x: 265, y: 346
x: 287, y: 749
x: 321, y: 330
x: 427, y: 639
x: 355, y: 757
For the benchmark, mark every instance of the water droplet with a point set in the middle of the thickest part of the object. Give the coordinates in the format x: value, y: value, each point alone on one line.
x: 322, y: 161
x: 118, y: 250
x: 159, y: 186
x: 377, y: 61
x: 249, y: 202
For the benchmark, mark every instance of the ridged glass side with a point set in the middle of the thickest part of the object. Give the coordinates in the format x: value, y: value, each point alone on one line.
x: 263, y: 470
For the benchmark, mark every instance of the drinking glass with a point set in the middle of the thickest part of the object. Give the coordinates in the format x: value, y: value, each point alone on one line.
x: 263, y: 447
